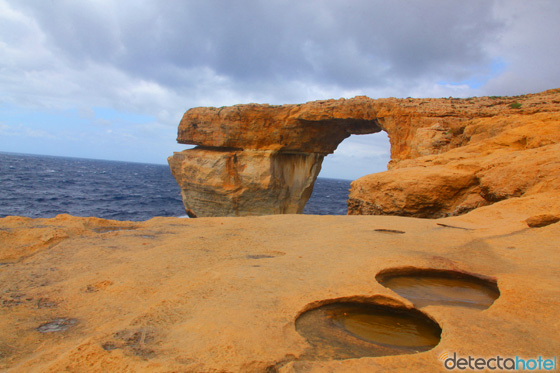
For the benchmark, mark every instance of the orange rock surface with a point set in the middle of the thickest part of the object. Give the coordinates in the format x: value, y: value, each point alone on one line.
x: 223, y: 294
x: 489, y: 150
x: 448, y: 156
x: 313, y: 127
x: 261, y: 159
x: 218, y: 182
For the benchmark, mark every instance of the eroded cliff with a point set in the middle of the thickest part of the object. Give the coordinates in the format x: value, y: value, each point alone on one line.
x: 459, y: 154
x: 222, y: 182
x: 448, y: 155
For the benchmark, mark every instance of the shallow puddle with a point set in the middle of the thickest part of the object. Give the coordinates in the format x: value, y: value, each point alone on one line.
x: 348, y: 330
x: 442, y: 288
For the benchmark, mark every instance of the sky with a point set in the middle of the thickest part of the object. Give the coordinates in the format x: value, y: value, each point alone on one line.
x: 111, y: 79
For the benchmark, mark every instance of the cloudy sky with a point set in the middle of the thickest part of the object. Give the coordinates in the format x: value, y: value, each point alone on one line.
x: 110, y: 79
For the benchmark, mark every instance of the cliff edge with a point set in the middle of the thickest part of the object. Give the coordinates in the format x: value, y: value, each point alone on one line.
x: 454, y: 155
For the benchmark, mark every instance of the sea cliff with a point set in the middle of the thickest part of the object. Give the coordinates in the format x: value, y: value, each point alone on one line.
x: 448, y: 155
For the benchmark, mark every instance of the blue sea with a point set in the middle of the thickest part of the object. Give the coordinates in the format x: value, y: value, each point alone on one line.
x: 39, y: 186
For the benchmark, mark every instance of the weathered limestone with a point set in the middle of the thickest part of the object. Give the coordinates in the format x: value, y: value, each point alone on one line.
x: 216, y: 182
x: 314, y: 127
x: 494, y: 152
x: 260, y: 159
x: 225, y: 294
x: 448, y: 156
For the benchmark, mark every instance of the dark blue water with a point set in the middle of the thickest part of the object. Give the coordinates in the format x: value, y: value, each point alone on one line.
x: 44, y: 186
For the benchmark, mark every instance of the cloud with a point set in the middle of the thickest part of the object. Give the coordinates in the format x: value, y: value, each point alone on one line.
x: 173, y: 55
x: 357, y: 156
x: 38, y: 133
x: 191, y: 48
x: 365, y: 146
x: 159, y: 58
x: 529, y: 47
x: 25, y: 132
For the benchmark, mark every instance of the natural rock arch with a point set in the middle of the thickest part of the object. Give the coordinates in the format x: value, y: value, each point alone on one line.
x: 264, y: 159
x: 260, y: 159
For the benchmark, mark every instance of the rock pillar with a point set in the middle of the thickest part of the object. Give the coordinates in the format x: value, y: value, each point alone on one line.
x: 222, y: 182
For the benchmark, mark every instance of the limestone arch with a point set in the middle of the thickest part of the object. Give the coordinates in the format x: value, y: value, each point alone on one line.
x: 259, y: 159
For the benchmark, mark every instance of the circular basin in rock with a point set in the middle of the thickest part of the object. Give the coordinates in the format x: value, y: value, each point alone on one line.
x: 345, y: 330
x: 425, y: 287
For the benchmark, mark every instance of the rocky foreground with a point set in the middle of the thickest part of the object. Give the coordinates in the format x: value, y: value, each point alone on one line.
x: 223, y: 294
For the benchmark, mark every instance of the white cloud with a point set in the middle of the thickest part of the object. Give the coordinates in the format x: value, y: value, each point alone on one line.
x: 529, y: 47
x: 365, y: 146
x: 103, y: 122
x: 165, y: 57
x: 20, y: 130
x: 5, y: 130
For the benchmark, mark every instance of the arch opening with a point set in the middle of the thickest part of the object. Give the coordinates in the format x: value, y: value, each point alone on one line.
x: 356, y: 156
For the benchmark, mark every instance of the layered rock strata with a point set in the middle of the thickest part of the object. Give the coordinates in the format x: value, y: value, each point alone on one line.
x: 461, y: 154
x: 260, y: 159
x: 448, y: 155
x: 221, y: 182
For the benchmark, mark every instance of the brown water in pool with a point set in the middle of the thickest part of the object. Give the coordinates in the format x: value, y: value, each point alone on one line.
x: 441, y: 289
x: 352, y: 330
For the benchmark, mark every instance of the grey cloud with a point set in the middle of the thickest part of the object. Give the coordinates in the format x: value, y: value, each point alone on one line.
x: 530, y: 48
x: 348, y: 44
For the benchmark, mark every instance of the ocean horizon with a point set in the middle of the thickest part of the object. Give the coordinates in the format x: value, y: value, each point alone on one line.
x: 43, y: 186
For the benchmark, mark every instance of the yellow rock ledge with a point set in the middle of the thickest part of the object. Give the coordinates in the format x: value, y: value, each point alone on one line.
x: 223, y: 294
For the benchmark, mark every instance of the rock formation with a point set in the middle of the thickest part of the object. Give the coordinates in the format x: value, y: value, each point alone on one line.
x: 459, y: 154
x: 260, y: 159
x: 221, y: 182
x: 448, y: 156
